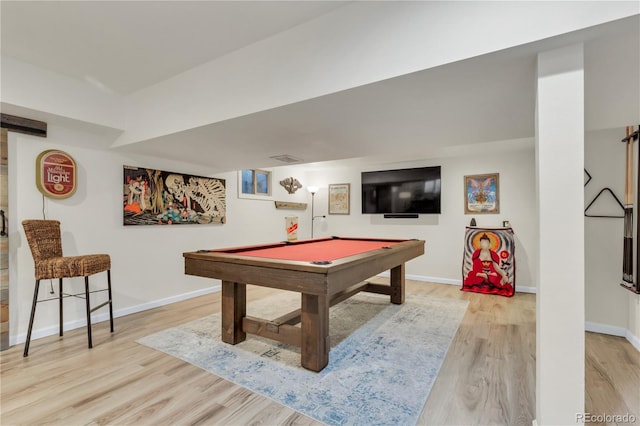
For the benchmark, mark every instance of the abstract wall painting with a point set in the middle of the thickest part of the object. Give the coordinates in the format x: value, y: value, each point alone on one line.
x: 156, y: 197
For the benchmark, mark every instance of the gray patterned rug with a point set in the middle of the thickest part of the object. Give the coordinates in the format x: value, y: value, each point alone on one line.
x: 383, y: 362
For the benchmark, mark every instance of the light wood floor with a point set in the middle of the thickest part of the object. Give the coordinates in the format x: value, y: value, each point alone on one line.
x: 488, y: 376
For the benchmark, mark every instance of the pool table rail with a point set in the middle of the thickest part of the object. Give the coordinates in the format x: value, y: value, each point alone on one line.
x: 301, y: 275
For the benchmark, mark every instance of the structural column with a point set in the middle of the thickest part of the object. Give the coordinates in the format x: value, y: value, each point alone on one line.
x: 560, y: 299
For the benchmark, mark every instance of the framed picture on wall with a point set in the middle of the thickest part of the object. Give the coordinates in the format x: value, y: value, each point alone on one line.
x: 158, y: 197
x: 339, y: 195
x: 482, y: 193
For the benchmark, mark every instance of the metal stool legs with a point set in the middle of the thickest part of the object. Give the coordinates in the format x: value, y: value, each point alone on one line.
x: 86, y: 291
x: 88, y: 308
x: 60, y: 297
x: 33, y: 314
x: 110, y: 299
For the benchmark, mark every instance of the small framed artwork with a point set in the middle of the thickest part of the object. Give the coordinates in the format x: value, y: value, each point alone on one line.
x: 482, y: 194
x: 339, y: 195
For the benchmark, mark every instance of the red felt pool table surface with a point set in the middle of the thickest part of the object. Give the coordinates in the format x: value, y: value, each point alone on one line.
x: 312, y: 251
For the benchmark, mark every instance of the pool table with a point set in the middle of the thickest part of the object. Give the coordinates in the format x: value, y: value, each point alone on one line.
x: 325, y: 271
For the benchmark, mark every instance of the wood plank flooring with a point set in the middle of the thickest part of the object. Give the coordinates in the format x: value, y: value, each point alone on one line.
x: 488, y: 376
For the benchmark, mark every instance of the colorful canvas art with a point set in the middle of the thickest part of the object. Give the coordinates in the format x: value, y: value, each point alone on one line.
x: 156, y: 197
x: 489, y: 264
x: 482, y: 194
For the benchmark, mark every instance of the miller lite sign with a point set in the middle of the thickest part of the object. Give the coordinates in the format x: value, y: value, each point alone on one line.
x: 56, y: 174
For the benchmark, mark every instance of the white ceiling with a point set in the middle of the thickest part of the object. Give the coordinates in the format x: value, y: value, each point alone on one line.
x: 123, y: 46
x: 480, y: 100
x: 400, y: 118
x: 477, y: 101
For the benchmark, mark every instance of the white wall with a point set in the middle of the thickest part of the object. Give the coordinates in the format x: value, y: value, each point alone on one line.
x: 633, y: 332
x: 92, y: 223
x: 37, y: 89
x: 444, y: 233
x: 147, y: 264
x: 606, y: 301
x: 609, y: 308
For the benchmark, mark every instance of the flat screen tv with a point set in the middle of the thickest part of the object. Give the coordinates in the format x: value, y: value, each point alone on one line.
x: 403, y: 191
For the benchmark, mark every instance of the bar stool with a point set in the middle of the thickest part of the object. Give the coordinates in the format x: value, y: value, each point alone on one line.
x: 45, y: 242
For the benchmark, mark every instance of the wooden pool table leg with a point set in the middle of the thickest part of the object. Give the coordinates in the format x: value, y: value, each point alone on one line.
x: 397, y: 284
x: 234, y: 308
x: 315, y: 331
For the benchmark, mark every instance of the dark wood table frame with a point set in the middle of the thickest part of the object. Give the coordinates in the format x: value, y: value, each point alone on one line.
x: 321, y: 286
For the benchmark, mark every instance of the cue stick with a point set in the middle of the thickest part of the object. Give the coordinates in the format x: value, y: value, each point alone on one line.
x: 627, y: 262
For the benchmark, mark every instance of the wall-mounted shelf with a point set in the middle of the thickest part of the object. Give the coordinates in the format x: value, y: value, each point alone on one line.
x: 290, y: 206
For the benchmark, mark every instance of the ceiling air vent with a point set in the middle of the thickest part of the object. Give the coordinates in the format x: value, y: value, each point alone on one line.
x: 286, y: 158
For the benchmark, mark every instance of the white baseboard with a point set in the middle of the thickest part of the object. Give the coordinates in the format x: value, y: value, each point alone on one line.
x: 604, y: 329
x: 451, y: 281
x: 523, y: 289
x: 613, y: 331
x: 439, y: 280
x: 104, y: 316
x: 634, y: 340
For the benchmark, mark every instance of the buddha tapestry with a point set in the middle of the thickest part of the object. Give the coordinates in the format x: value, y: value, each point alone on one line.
x: 489, y: 264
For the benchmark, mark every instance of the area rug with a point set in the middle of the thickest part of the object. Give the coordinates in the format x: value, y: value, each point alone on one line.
x: 383, y: 362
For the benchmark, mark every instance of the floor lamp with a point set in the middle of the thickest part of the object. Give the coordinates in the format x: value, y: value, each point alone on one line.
x: 312, y: 190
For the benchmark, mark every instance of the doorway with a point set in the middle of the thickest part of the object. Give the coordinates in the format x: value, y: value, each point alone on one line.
x: 4, y: 242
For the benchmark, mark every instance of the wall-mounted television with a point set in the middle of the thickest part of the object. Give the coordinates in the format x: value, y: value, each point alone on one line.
x: 402, y: 191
